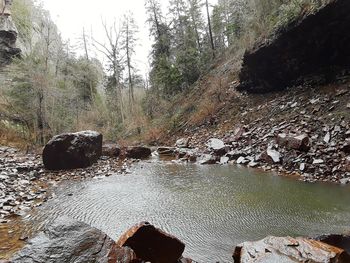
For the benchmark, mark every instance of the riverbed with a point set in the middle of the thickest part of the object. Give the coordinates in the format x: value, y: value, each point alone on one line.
x: 210, y: 208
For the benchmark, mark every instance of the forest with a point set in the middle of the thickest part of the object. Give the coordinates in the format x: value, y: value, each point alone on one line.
x: 50, y: 89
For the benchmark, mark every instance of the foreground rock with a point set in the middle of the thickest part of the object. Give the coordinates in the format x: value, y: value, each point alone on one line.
x: 69, y: 241
x: 341, y: 241
x: 311, y: 47
x: 152, y: 244
x: 72, y: 150
x: 138, y: 152
x: 289, y: 250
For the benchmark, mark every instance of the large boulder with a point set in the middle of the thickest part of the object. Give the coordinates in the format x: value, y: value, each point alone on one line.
x: 72, y: 150
x: 67, y: 241
x: 313, y: 47
x: 138, y: 152
x: 288, y: 250
x: 152, y: 244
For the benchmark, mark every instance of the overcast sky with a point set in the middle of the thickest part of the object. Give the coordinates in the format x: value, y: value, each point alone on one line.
x: 72, y: 15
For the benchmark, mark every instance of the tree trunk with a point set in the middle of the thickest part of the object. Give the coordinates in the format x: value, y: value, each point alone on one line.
x: 210, y: 29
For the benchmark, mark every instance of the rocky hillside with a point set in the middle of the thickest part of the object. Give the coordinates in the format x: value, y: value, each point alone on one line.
x: 301, y: 129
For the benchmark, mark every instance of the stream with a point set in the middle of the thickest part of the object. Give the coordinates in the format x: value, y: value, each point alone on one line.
x: 209, y: 208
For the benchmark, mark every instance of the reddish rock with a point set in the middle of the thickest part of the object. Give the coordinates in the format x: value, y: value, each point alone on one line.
x: 288, y: 249
x: 300, y: 142
x: 152, y: 244
x: 123, y: 255
x: 341, y: 241
x: 110, y: 150
x: 138, y: 152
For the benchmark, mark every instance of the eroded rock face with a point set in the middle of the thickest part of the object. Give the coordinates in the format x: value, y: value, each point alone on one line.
x: 315, y: 47
x: 152, y: 244
x: 288, y: 250
x: 69, y: 241
x: 72, y: 150
x: 8, y: 37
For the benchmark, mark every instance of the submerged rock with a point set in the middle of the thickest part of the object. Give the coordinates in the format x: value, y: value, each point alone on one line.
x: 138, y: 152
x: 72, y: 150
x: 152, y: 244
x: 69, y: 241
x: 288, y: 250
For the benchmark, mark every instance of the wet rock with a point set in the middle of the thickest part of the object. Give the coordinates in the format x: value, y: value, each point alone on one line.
x: 224, y: 160
x: 110, y: 150
x: 242, y: 160
x: 300, y: 142
x: 288, y: 249
x: 207, y: 159
x: 183, y: 143
x: 72, y: 150
x: 344, y: 181
x: 152, y: 244
x: 341, y: 241
x: 67, y: 241
x: 138, y: 152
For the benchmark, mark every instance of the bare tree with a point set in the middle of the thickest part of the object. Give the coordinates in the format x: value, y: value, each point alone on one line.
x: 111, y: 50
x: 129, y: 39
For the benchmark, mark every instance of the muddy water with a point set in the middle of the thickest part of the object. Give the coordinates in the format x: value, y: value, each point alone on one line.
x: 210, y: 208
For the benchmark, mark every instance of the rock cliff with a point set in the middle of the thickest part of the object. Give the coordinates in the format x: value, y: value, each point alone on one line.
x: 313, y: 49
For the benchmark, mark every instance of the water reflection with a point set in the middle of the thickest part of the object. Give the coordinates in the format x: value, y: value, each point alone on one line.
x: 210, y: 208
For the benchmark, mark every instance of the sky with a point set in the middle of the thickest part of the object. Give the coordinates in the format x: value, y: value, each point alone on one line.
x: 71, y: 16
